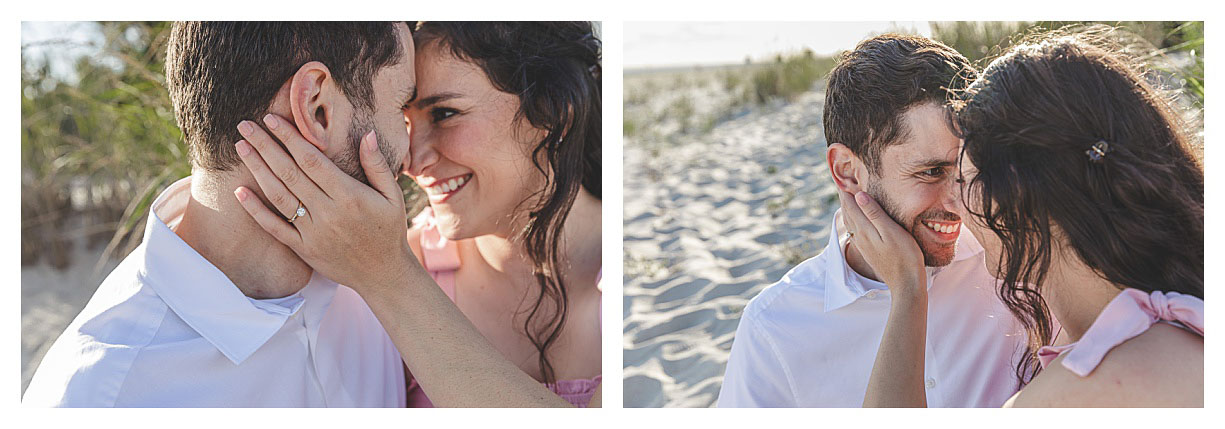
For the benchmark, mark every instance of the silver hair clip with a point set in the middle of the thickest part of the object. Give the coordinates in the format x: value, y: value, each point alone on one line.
x: 1098, y: 151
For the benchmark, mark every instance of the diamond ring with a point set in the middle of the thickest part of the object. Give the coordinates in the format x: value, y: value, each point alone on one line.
x: 300, y: 212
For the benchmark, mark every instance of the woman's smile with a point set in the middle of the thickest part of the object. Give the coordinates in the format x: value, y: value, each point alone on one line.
x: 440, y: 190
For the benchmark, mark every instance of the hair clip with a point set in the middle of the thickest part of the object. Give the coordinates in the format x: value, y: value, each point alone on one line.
x: 1098, y: 151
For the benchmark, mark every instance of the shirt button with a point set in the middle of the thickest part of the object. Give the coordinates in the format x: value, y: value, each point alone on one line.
x: 871, y: 294
x: 931, y: 382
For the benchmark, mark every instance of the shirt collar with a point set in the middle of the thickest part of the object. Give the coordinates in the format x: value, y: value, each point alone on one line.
x: 204, y: 297
x: 843, y: 286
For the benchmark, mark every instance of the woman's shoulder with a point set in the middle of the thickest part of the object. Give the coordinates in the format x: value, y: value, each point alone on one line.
x: 1163, y: 367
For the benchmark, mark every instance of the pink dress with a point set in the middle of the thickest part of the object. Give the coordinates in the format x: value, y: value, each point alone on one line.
x: 441, y: 258
x: 1129, y: 314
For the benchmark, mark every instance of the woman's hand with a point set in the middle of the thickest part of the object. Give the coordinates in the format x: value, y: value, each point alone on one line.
x: 358, y: 236
x: 349, y: 232
x: 897, y: 374
x: 886, y: 246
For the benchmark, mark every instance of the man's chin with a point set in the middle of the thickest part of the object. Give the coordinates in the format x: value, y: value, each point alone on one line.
x: 939, y: 258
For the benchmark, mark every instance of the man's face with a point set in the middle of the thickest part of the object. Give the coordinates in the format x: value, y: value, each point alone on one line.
x: 916, y: 183
x: 393, y: 86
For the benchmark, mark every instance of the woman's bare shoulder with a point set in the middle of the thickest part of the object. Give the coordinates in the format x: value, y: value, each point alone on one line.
x: 1163, y: 367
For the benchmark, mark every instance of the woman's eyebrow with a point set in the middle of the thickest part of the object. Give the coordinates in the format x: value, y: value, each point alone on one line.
x: 413, y: 94
x: 436, y: 98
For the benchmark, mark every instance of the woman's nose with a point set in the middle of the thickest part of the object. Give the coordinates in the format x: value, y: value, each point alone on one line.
x: 420, y: 150
x: 952, y: 197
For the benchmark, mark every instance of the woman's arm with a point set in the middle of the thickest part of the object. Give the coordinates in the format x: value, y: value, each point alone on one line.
x: 453, y: 362
x: 897, y: 374
x: 357, y: 235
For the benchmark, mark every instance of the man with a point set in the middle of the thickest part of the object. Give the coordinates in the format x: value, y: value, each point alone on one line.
x: 810, y: 340
x: 210, y: 310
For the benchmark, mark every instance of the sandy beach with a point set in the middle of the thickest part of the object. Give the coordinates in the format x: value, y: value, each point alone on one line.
x: 51, y: 298
x: 711, y: 220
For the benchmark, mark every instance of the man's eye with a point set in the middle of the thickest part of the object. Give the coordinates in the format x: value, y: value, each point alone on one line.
x: 934, y: 172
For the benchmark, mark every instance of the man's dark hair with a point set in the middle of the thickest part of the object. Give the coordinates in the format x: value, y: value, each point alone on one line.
x: 221, y: 73
x: 873, y: 85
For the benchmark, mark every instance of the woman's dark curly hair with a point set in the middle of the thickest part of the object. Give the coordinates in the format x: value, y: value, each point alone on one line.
x: 1135, y: 215
x: 554, y: 70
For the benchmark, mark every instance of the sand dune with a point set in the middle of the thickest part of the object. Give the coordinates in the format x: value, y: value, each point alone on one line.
x: 709, y: 222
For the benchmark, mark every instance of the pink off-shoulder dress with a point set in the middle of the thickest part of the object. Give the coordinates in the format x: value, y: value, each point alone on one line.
x: 441, y: 258
x: 1129, y: 314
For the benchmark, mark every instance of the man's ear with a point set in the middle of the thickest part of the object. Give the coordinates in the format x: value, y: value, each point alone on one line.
x: 846, y: 168
x: 313, y: 102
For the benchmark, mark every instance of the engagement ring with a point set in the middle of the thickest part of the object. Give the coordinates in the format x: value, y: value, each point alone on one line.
x: 300, y: 212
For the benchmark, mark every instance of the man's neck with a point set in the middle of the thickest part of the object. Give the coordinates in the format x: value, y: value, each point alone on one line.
x: 221, y: 231
x: 855, y: 260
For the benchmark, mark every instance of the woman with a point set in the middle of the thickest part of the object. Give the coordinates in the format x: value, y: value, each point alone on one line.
x: 1082, y: 185
x: 505, y: 141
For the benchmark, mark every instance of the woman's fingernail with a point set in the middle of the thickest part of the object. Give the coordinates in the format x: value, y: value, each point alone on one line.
x: 369, y: 141
x: 861, y: 197
x: 242, y: 147
x: 244, y: 128
x: 241, y: 193
x: 271, y: 121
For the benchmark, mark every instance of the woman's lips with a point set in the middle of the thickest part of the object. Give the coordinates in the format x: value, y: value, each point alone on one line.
x: 444, y: 189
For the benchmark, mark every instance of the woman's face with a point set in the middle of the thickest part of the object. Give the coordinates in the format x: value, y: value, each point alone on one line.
x: 467, y: 150
x: 992, y: 246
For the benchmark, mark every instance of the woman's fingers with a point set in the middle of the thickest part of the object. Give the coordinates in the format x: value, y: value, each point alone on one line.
x: 856, y: 220
x: 882, y: 224
x: 317, y: 166
x: 269, y: 221
x: 274, y: 191
x: 377, y: 171
x: 282, y: 165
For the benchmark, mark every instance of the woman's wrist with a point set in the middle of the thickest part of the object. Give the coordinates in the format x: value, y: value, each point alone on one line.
x: 397, y: 274
x: 909, y: 289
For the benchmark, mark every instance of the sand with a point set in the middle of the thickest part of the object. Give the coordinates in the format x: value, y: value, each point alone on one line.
x: 51, y: 298
x: 709, y: 222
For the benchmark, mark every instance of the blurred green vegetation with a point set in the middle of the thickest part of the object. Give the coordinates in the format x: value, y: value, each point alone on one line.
x: 96, y: 150
x: 789, y: 76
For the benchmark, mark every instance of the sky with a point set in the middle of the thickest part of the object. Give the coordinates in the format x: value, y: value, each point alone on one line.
x: 669, y: 44
x: 60, y: 43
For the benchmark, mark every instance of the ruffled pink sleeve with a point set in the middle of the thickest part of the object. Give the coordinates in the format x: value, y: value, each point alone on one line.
x: 1129, y: 314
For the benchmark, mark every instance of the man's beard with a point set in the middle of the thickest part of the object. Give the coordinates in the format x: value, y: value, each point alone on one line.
x: 349, y: 161
x: 933, y: 256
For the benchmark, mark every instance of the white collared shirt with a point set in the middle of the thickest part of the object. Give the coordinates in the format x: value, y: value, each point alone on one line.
x: 810, y: 339
x: 168, y: 329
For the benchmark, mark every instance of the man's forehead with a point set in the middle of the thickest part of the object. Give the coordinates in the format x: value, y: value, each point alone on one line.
x: 928, y: 136
x: 401, y: 75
